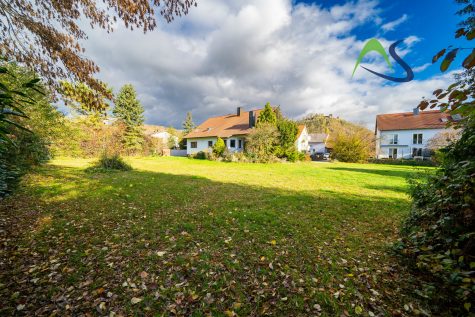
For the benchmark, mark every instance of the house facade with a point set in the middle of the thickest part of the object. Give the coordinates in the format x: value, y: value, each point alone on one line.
x: 302, y: 139
x: 232, y: 128
x: 318, y: 143
x: 405, y: 135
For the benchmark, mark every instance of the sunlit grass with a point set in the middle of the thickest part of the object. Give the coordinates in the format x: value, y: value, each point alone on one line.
x: 191, y: 237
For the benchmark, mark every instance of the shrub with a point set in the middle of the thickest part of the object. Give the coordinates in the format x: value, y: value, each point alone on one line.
x: 261, y: 142
x: 219, y: 147
x: 200, y: 155
x: 110, y: 163
x: 438, y: 237
x: 352, y: 145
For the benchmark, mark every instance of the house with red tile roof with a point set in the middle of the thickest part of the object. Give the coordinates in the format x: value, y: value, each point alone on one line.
x: 405, y: 134
x: 233, y: 129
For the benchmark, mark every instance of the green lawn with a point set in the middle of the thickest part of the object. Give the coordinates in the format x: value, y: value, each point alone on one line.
x: 186, y: 237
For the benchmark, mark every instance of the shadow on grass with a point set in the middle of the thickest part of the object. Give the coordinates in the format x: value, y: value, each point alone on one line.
x: 392, y: 173
x: 397, y: 189
x: 217, y: 237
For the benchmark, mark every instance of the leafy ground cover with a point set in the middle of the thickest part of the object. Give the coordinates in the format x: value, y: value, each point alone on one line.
x: 188, y: 237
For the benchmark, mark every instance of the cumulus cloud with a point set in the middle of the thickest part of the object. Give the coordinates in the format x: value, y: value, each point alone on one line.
x: 245, y: 53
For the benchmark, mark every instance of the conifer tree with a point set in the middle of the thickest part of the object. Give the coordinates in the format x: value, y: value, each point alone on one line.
x: 129, y: 112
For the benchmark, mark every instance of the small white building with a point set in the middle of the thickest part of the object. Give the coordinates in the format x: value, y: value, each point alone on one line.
x: 405, y: 135
x: 165, y: 137
x: 302, y: 139
x: 318, y: 143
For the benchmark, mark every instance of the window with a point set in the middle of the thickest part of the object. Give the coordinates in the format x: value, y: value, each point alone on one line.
x: 392, y: 138
x: 240, y: 144
x: 194, y: 144
x: 233, y: 143
x: 417, y: 138
x: 416, y: 152
x: 392, y: 153
x: 225, y: 143
x: 210, y: 143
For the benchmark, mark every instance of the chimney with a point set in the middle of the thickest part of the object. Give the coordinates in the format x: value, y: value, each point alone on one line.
x: 239, y: 111
x: 251, y: 119
x: 415, y: 111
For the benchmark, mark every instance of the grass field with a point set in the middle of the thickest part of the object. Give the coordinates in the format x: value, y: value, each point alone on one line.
x: 196, y: 238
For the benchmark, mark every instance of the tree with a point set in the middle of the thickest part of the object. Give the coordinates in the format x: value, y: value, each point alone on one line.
x: 443, y: 139
x: 219, y: 147
x: 267, y: 116
x: 85, y: 100
x: 173, y: 139
x: 260, y: 142
x: 438, y: 236
x: 458, y: 97
x: 29, y: 124
x: 44, y: 35
x: 129, y: 111
x: 288, y: 131
x: 352, y: 145
x: 188, y: 124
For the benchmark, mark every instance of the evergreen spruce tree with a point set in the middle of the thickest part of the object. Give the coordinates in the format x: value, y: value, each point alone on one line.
x: 129, y: 111
x: 267, y: 116
x: 188, y: 124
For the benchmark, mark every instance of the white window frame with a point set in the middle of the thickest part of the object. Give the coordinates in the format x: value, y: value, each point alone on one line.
x: 393, y: 139
x: 391, y: 152
x: 419, y: 138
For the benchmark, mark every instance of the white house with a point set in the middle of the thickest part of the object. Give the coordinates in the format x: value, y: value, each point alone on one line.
x: 165, y: 137
x: 302, y: 139
x: 233, y: 129
x: 405, y: 135
x: 318, y: 143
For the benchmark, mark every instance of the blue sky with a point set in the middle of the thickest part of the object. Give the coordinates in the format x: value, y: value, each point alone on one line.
x: 299, y: 55
x: 433, y: 22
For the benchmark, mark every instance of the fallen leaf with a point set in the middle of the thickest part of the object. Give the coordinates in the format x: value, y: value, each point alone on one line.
x: 135, y: 300
x: 143, y: 274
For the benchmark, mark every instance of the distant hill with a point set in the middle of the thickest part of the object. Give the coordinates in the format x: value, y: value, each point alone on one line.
x: 320, y: 123
x: 151, y: 129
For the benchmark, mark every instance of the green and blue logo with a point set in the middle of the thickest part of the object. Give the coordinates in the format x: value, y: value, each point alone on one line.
x: 374, y: 45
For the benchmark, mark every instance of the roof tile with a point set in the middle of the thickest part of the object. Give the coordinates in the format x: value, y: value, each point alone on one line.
x: 433, y: 119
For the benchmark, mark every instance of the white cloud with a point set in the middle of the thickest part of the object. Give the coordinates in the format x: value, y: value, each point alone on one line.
x: 391, y: 26
x: 226, y: 54
x: 421, y: 68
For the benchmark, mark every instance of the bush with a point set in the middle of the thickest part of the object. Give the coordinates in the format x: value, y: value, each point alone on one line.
x: 9, y: 174
x: 219, y: 147
x: 352, y: 144
x: 260, y: 143
x: 200, y: 155
x: 438, y: 237
x: 110, y: 163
